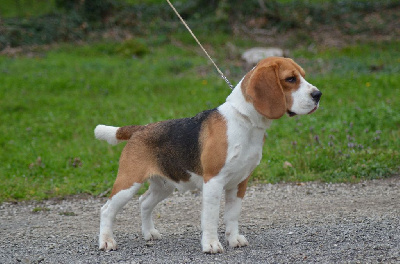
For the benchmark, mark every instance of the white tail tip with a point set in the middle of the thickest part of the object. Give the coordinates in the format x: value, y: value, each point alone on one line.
x: 107, y: 133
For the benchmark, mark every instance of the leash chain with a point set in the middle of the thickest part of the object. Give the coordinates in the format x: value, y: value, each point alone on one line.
x: 201, y: 46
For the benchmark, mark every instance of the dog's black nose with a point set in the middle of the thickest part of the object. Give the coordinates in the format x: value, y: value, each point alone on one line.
x: 316, y: 95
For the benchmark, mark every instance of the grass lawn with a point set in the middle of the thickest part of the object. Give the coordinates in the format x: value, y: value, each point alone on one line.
x: 50, y: 105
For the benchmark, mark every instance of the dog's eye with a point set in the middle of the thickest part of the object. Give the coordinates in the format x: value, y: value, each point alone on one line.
x: 291, y: 79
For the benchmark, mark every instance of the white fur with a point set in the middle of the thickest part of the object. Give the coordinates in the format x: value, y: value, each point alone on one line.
x: 108, y: 213
x: 302, y: 100
x: 107, y: 133
x: 233, y: 206
x: 159, y: 190
x: 244, y: 152
x: 212, y: 192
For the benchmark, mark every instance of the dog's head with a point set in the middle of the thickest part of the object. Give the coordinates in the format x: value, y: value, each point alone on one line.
x: 277, y: 86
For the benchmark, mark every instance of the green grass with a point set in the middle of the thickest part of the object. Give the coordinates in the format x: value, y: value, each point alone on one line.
x: 50, y: 105
x: 25, y: 8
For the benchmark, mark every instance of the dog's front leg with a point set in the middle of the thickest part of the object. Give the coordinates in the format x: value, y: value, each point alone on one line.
x: 233, y: 206
x: 212, y: 192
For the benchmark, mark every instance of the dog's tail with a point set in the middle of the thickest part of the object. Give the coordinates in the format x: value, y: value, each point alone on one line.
x: 115, y: 135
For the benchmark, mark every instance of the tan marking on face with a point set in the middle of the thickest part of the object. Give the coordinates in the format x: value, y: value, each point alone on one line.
x: 298, y: 67
x: 288, y: 68
x: 266, y: 86
x: 214, y: 146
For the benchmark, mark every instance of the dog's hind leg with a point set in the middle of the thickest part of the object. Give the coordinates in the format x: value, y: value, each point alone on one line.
x: 137, y: 163
x: 159, y: 190
x: 108, y: 213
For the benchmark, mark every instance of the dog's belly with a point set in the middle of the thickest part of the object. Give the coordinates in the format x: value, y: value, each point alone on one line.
x: 195, y: 182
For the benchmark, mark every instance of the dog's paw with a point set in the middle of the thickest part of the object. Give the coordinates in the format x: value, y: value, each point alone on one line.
x: 107, y: 243
x: 212, y: 247
x: 237, y: 241
x: 152, y: 234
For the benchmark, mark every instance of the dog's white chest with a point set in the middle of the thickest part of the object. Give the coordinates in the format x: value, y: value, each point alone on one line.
x: 245, y: 152
x: 245, y: 143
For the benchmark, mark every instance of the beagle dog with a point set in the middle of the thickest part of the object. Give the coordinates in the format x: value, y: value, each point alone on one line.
x: 215, y: 151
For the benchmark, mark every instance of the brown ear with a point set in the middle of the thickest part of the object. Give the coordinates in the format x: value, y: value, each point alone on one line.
x: 266, y: 93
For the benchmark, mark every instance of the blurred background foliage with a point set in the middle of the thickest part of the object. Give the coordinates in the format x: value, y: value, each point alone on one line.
x: 27, y: 22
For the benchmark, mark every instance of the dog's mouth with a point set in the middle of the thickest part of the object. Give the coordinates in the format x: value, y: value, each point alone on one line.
x: 290, y: 113
x: 314, y: 109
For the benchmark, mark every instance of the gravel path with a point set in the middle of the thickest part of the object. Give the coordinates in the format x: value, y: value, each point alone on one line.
x: 284, y: 223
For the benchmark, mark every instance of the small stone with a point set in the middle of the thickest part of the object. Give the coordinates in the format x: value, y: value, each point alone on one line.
x: 287, y: 164
x: 254, y: 55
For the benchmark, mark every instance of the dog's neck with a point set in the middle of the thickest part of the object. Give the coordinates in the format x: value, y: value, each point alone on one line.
x: 246, y: 109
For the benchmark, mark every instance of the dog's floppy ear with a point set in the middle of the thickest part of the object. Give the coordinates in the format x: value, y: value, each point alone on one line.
x: 266, y: 93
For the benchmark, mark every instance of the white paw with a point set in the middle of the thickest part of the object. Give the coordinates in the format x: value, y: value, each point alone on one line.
x: 151, y: 234
x: 107, y: 243
x: 237, y: 241
x: 212, y: 247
